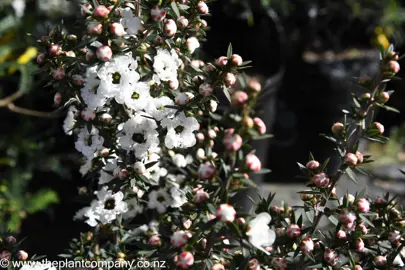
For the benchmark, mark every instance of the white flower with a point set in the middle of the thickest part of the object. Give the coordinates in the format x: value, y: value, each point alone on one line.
x: 138, y: 97
x: 174, y: 180
x: 90, y: 92
x: 192, y: 44
x: 19, y: 7
x: 139, y: 134
x: 89, y: 142
x: 259, y: 233
x: 133, y: 25
x: 180, y: 131
x: 159, y: 200
x: 155, y: 172
x: 88, y: 212
x: 69, y: 122
x: 178, y: 197
x: 109, y: 205
x: 180, y: 238
x: 156, y: 108
x: 86, y: 166
x: 109, y: 171
x: 134, y: 208
x: 180, y: 161
x: 166, y: 64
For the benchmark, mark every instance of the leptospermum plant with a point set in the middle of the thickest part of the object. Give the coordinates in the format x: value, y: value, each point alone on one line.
x: 163, y: 161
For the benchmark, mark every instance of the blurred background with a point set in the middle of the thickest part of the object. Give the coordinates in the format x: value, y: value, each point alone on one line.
x: 304, y: 53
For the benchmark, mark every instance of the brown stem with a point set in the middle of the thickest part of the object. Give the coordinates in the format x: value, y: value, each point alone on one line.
x: 29, y: 112
x: 7, y: 100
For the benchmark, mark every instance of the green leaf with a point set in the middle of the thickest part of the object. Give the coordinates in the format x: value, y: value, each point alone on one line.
x: 388, y: 108
x: 334, y: 220
x: 263, y: 171
x: 366, y: 220
x: 351, y: 174
x: 262, y: 137
x: 175, y: 9
x: 41, y: 200
x: 229, y: 53
x: 316, y: 192
x: 226, y: 92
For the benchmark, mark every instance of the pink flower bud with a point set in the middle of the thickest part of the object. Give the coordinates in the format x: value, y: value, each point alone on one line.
x: 232, y: 141
x: 86, y: 9
x: 185, y: 260
x: 360, y: 157
x: 379, y: 127
x: 218, y: 266
x: 359, y: 245
x: 104, y: 152
x: 394, y: 66
x: 209, y: 68
x: 154, y: 240
x: 202, y: 7
x: 205, y: 89
x: 117, y: 29
x: 239, y: 97
x: 5, y: 255
x: 192, y: 44
x: 170, y: 28
x: 101, y: 12
x: 179, y: 238
x: 337, y: 128
x: 94, y: 28
x: 394, y: 237
x: 259, y: 125
x: 380, y: 260
x: 357, y: 267
x: 383, y: 97
x: 253, y: 163
x: 123, y: 173
x: 106, y: 118
x: 364, y: 205
x: 279, y: 263
x: 58, y: 73
x: 55, y: 49
x: 88, y: 115
x: 222, y: 61
x: 312, y: 165
x: 254, y: 264
x: 11, y: 240
x: 182, y: 22
x: 230, y: 79
x: 206, y: 171
x: 293, y: 231
x: 157, y: 13
x: 22, y: 255
x: 40, y: 58
x: 89, y: 55
x: 341, y: 235
x: 330, y: 256
x: 200, y: 196
x: 200, y: 137
x: 78, y: 79
x: 139, y: 167
x: 349, y: 197
x: 182, y: 99
x: 347, y: 216
x: 363, y: 229
x: 380, y: 202
x: 255, y: 86
x: 104, y: 53
x: 225, y: 213
x: 320, y: 180
x: 350, y: 159
x: 57, y: 99
x: 213, y: 105
x: 307, y: 245
x: 236, y: 60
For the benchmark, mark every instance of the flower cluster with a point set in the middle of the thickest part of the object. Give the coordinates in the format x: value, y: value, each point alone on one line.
x: 158, y: 146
